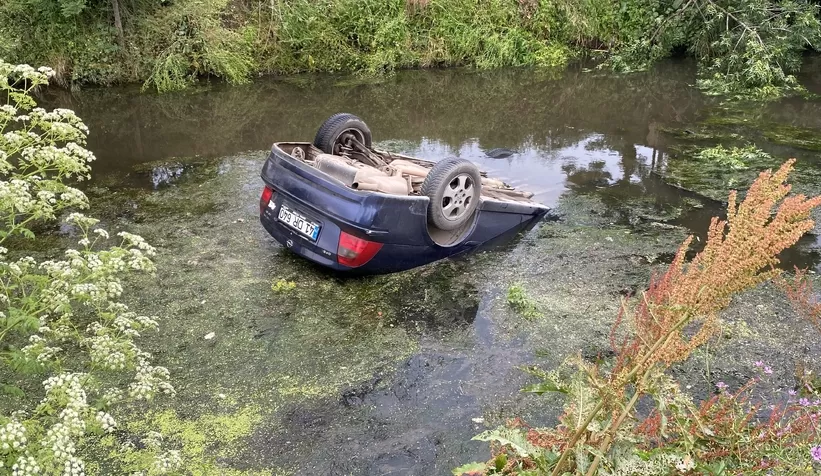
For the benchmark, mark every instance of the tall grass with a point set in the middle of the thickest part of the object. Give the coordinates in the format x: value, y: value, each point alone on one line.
x: 169, y: 43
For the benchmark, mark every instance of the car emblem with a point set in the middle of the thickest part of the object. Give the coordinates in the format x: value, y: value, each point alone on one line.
x: 289, y: 243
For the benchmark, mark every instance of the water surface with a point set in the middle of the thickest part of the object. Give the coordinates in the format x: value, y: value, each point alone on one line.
x: 393, y: 375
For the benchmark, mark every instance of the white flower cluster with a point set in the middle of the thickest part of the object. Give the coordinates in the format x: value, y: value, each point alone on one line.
x: 106, y: 421
x: 107, y: 352
x: 64, y: 117
x: 39, y: 150
x: 72, y: 197
x: 74, y: 466
x: 93, y: 261
x: 47, y: 196
x: 99, y: 292
x: 114, y: 289
x: 146, y: 322
x: 27, y: 73
x: 66, y: 389
x: 59, y: 439
x: 167, y: 461
x: 15, y: 196
x: 112, y: 396
x: 135, y: 241
x: 7, y: 113
x: 89, y: 290
x: 12, y: 436
x: 25, y: 465
x: 14, y: 140
x: 68, y: 161
x: 38, y: 349
x: 149, y: 380
x: 81, y: 220
x: 124, y: 324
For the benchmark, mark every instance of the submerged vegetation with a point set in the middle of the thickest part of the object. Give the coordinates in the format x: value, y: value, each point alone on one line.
x: 744, y: 47
x: 520, y: 302
x: 603, y: 428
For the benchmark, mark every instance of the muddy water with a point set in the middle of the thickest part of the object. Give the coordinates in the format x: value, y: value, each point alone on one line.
x: 394, y: 375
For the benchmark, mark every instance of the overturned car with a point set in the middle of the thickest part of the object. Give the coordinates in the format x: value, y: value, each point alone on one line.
x: 345, y: 205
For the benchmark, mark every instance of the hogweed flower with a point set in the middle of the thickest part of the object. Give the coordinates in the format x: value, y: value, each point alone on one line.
x: 71, y: 302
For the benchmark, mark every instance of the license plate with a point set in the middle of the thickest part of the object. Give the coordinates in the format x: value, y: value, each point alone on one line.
x: 298, y: 223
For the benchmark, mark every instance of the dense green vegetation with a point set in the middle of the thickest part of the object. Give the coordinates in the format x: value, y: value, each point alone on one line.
x: 744, y: 46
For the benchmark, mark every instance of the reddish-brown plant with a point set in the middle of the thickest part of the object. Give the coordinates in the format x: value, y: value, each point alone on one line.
x: 679, y: 311
x: 802, y: 295
x: 676, y: 315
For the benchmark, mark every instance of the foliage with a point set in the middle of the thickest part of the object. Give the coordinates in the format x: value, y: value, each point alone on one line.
x: 752, y: 47
x: 62, y: 321
x: 188, y: 40
x: 744, y: 47
x: 601, y: 428
x: 283, y: 286
x: 518, y: 299
x: 735, y: 158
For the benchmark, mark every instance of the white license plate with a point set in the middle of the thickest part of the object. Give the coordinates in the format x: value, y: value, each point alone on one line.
x: 298, y: 223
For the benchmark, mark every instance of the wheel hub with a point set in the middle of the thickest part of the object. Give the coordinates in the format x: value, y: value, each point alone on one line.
x: 457, y: 197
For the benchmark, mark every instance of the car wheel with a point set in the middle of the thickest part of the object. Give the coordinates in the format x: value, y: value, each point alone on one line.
x: 454, y: 187
x: 338, y: 130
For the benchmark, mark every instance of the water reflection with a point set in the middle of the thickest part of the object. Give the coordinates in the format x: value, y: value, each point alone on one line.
x: 578, y: 131
x: 454, y: 110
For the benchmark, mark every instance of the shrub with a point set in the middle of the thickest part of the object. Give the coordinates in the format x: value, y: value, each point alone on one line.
x: 68, y: 350
x: 187, y: 40
x: 745, y: 48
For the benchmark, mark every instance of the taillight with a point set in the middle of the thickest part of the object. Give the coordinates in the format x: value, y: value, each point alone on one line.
x: 355, y: 252
x: 267, y: 193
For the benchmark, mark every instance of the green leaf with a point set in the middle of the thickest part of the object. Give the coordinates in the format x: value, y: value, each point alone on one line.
x: 677, y: 3
x: 510, y: 437
x: 500, y: 462
x: 12, y: 390
x: 543, y: 387
x: 470, y: 469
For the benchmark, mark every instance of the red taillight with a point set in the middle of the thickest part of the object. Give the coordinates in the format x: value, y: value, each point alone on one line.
x: 355, y: 252
x: 267, y: 193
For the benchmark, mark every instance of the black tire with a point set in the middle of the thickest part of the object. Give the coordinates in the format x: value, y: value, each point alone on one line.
x: 453, y: 186
x: 331, y: 133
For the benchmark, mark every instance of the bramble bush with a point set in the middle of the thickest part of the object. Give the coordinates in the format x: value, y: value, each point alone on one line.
x: 737, y: 431
x: 68, y: 345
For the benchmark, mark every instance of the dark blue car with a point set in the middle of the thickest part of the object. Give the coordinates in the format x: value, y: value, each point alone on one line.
x: 345, y: 205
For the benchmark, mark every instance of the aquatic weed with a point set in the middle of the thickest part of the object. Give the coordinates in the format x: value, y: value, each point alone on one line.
x: 282, y: 286
x: 519, y: 300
